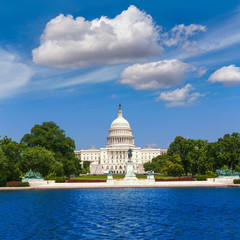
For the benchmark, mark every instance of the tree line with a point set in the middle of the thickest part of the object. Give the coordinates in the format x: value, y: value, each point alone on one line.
x: 49, y: 151
x: 195, y: 157
x: 46, y: 149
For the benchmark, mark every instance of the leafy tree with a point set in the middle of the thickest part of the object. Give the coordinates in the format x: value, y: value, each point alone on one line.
x: 3, y: 168
x: 40, y: 160
x: 197, y: 157
x: 173, y: 166
x: 194, y: 154
x: 174, y: 169
x: 10, y: 156
x: 228, y: 149
x: 50, y: 136
x: 86, y: 167
x: 154, y: 166
x: 157, y: 164
x: 212, y: 154
x: 182, y: 147
x: 169, y: 165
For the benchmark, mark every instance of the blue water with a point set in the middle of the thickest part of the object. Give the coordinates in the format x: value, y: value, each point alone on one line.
x: 132, y: 213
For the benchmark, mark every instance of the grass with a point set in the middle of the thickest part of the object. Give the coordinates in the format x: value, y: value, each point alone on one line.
x: 120, y: 176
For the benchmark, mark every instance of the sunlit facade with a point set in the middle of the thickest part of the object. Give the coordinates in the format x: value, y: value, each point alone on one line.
x: 115, y: 155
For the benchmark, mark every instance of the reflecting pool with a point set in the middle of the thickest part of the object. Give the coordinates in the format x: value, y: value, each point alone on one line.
x: 130, y: 213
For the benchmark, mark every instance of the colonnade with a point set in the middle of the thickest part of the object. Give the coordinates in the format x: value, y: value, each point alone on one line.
x: 116, y: 140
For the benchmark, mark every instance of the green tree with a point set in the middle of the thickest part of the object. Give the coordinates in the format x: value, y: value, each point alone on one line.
x: 40, y: 160
x: 197, y: 157
x: 86, y: 167
x: 10, y: 156
x: 212, y: 154
x: 182, y: 147
x: 50, y: 136
x: 169, y: 165
x: 173, y: 166
x: 194, y: 155
x: 228, y: 150
x: 157, y: 164
x: 3, y: 168
x: 174, y: 169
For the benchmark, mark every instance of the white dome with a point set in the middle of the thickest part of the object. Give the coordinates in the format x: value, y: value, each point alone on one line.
x: 120, y: 122
x: 120, y: 132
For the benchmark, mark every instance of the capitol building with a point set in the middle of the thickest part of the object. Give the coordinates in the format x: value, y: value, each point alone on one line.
x: 115, y: 155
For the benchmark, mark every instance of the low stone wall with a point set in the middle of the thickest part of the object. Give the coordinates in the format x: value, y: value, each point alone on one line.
x: 34, y: 183
x: 131, y: 181
x: 228, y: 179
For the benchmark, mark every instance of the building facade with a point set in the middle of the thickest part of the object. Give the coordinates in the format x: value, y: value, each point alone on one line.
x: 115, y: 155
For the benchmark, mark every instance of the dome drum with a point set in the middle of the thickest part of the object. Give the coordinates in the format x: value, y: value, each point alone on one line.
x: 120, y: 141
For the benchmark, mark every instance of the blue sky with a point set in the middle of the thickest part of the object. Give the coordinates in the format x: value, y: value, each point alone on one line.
x: 173, y: 65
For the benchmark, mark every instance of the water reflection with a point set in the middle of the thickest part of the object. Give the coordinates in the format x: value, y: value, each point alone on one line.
x: 167, y: 213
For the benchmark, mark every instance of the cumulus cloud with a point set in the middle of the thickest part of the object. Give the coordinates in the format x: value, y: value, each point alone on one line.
x: 72, y: 43
x: 180, y: 34
x: 180, y: 97
x: 13, y: 74
x: 229, y: 75
x: 155, y: 75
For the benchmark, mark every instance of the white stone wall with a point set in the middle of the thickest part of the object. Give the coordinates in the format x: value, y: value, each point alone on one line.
x: 115, y: 159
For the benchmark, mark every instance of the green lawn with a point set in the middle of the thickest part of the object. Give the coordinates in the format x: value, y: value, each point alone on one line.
x: 104, y: 177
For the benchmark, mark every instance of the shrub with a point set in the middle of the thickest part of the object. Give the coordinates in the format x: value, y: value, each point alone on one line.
x: 17, y: 184
x: 23, y: 184
x: 85, y: 181
x: 204, y: 177
x: 173, y: 179
x: 236, y: 181
x: 57, y: 179
x: 13, y: 183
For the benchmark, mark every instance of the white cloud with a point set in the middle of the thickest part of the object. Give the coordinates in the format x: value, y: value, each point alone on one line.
x: 155, y: 75
x: 180, y: 34
x: 72, y: 43
x: 180, y: 97
x: 223, y: 34
x: 100, y: 75
x: 201, y: 71
x: 229, y: 75
x: 14, y: 75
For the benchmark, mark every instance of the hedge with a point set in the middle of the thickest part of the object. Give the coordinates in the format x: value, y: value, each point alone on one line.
x: 85, y: 181
x: 24, y: 184
x: 236, y: 181
x: 17, y: 184
x: 204, y: 177
x: 57, y: 179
